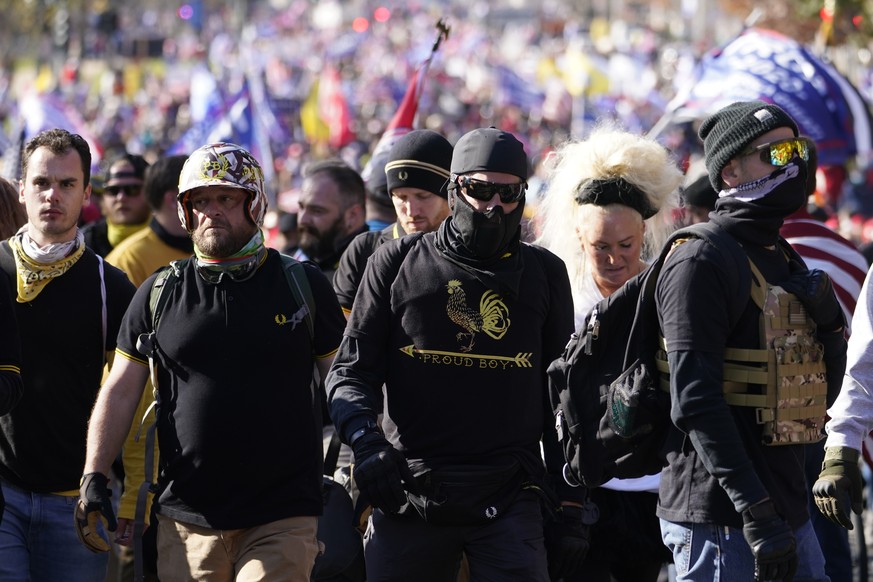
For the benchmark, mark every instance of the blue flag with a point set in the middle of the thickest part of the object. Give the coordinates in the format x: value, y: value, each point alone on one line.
x: 765, y: 65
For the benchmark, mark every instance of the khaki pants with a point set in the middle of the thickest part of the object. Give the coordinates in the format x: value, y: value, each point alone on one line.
x: 283, y: 550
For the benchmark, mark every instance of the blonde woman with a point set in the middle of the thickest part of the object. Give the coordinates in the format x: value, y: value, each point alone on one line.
x: 607, y: 210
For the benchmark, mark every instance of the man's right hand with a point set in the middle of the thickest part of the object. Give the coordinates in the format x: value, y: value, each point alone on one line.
x: 838, y: 487
x: 94, y: 503
x: 772, y: 542
x: 380, y: 472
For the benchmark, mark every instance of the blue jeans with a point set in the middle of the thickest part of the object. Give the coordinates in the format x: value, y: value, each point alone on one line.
x: 38, y: 540
x: 713, y: 553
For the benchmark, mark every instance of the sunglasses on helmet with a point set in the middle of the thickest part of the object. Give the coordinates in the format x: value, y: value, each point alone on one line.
x: 485, y: 191
x: 779, y: 153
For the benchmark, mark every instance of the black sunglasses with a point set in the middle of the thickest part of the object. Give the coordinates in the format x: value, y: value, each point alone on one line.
x: 130, y: 191
x: 485, y: 191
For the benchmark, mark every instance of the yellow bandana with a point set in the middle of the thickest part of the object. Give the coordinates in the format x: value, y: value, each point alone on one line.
x: 33, y: 276
x: 118, y: 232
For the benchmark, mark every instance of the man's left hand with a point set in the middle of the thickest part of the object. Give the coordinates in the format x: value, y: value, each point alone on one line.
x: 816, y: 292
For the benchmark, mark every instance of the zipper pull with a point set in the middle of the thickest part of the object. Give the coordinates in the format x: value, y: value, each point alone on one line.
x: 559, y: 424
x: 592, y: 331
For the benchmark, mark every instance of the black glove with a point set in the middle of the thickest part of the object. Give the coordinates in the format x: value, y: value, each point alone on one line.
x: 380, y: 472
x: 839, y: 486
x: 816, y: 292
x: 772, y: 542
x: 93, y: 503
x: 566, y: 541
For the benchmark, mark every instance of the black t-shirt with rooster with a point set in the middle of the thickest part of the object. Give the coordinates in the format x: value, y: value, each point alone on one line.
x: 463, y: 367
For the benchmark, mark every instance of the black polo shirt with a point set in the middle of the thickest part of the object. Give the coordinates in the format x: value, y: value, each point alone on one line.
x: 240, y: 436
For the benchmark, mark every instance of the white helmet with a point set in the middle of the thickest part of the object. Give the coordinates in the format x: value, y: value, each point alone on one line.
x: 222, y: 164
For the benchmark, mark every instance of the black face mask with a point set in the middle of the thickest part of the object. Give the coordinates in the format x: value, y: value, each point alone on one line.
x: 486, y: 235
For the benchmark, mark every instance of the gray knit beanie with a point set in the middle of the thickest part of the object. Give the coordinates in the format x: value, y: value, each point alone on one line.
x: 728, y: 132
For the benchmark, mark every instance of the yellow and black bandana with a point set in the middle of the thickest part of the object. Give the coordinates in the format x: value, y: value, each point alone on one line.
x: 34, y: 276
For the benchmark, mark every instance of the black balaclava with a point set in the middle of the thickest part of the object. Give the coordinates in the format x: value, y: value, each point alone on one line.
x: 485, y: 243
x: 486, y: 236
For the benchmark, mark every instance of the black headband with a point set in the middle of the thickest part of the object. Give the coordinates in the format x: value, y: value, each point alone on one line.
x: 615, y: 191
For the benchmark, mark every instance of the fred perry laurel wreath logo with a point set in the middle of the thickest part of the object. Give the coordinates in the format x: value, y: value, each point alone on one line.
x: 403, y: 175
x: 491, y: 512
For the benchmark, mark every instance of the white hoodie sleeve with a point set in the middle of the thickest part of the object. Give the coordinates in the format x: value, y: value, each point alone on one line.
x: 852, y: 412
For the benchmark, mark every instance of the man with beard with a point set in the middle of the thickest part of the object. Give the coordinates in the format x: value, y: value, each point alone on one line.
x: 459, y: 326
x: 124, y: 207
x: 732, y: 505
x: 331, y: 212
x: 237, y: 421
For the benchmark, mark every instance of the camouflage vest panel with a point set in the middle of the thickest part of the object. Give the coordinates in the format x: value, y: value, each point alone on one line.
x: 789, y: 389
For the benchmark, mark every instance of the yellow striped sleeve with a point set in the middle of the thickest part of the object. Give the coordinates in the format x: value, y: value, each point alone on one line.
x: 131, y: 357
x: 10, y: 368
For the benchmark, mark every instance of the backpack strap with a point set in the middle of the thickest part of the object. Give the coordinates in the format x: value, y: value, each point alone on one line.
x: 104, y: 313
x: 147, y: 345
x: 298, y: 282
x: 736, y: 260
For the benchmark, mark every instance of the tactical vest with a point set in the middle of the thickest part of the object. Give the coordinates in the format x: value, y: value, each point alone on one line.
x: 784, y: 380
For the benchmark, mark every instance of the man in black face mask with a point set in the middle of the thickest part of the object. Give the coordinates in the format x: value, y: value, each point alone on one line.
x: 732, y: 505
x: 460, y: 325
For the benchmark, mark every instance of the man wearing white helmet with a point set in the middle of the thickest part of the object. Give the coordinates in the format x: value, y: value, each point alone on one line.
x: 239, y: 436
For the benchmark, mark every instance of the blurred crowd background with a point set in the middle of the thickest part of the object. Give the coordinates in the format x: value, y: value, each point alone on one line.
x: 297, y: 80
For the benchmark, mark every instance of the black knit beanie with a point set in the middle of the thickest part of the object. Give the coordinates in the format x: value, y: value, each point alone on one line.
x: 728, y: 132
x: 420, y: 159
x: 488, y: 149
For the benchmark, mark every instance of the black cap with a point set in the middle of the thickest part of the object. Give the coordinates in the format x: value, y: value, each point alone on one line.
x: 726, y: 133
x: 420, y: 159
x: 127, y: 170
x: 488, y: 149
x: 700, y: 193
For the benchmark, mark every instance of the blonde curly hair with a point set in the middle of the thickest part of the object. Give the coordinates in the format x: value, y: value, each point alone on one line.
x: 607, y: 153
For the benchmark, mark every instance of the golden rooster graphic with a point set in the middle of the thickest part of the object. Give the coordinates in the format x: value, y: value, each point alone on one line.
x: 492, y: 317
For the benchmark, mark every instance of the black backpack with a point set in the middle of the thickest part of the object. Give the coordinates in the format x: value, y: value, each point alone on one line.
x: 611, y: 414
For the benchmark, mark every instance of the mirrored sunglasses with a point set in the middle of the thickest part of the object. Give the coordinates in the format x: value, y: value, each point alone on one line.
x: 130, y: 191
x: 779, y: 153
x: 485, y: 191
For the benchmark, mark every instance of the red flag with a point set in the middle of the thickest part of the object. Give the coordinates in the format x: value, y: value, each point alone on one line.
x: 400, y: 124
x: 404, y: 118
x: 334, y: 108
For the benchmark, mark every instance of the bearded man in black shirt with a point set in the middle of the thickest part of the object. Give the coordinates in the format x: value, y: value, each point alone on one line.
x: 237, y: 418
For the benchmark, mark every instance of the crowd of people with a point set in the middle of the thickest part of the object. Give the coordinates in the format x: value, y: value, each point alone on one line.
x: 170, y: 421
x: 423, y: 346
